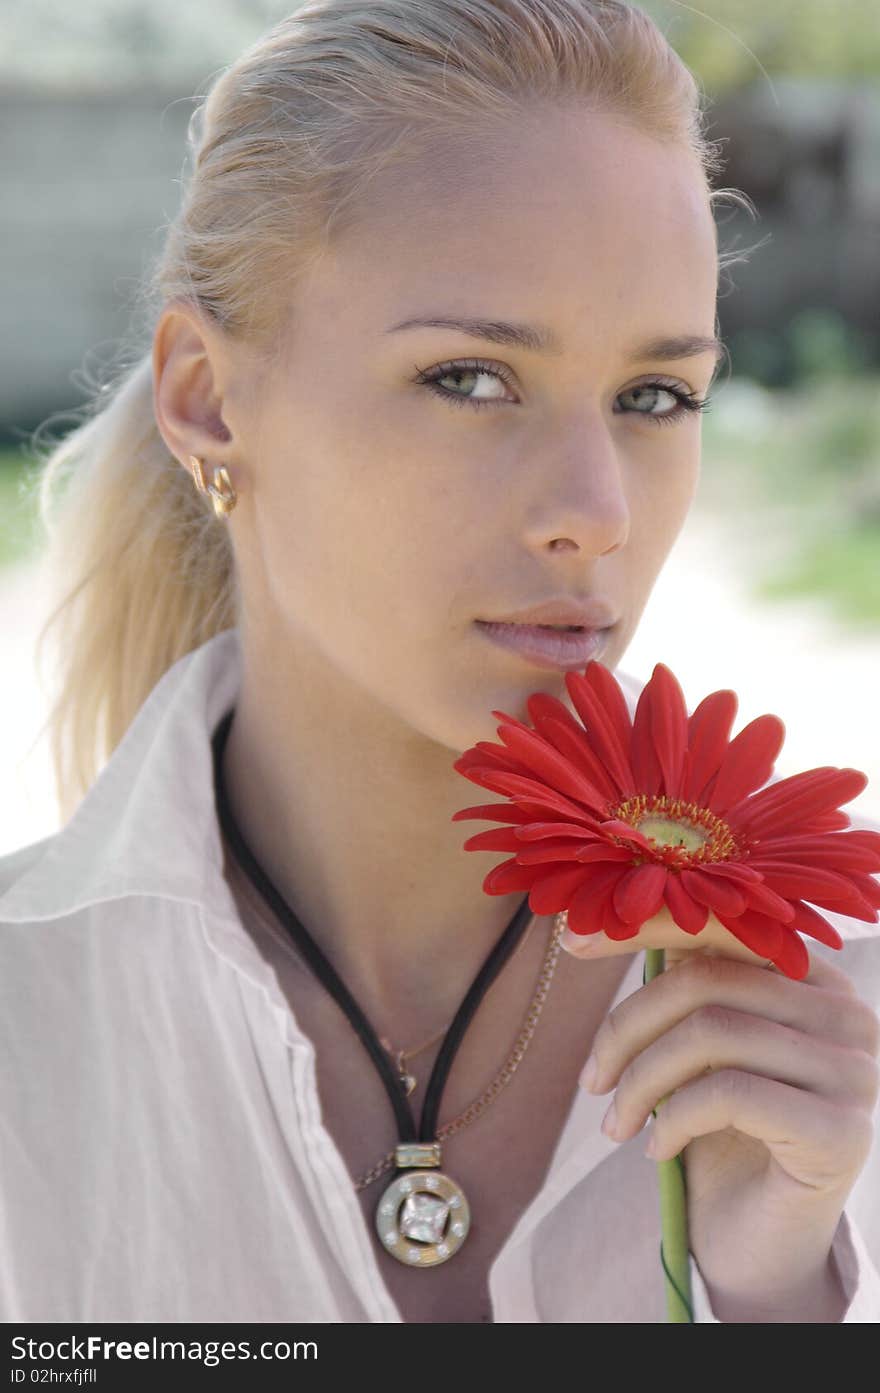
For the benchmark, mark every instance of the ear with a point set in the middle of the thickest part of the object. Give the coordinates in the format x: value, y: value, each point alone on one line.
x: 190, y: 364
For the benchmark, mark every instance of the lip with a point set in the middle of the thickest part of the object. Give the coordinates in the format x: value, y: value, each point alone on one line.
x: 542, y: 648
x: 588, y: 614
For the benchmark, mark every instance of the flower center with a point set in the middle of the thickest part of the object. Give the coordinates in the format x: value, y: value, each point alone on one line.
x: 683, y: 834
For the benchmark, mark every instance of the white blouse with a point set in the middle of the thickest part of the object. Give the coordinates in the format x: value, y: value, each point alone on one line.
x: 163, y: 1152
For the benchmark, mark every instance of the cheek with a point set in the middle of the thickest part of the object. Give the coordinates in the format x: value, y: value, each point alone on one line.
x: 664, y: 486
x: 373, y: 566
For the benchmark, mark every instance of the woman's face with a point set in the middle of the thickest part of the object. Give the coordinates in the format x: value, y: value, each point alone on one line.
x: 379, y: 519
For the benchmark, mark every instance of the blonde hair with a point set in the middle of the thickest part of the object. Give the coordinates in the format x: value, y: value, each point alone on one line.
x: 280, y: 150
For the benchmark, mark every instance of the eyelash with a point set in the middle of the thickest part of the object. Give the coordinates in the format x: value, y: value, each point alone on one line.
x: 429, y: 377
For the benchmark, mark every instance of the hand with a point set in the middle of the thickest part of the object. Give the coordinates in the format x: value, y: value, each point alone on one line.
x: 773, y: 1083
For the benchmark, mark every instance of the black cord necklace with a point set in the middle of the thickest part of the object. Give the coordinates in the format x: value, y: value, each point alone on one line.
x: 423, y: 1216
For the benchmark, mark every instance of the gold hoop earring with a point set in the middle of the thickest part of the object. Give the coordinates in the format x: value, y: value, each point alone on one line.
x: 223, y: 495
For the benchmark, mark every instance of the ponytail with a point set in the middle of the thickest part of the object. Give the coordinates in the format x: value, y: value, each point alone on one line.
x: 143, y: 569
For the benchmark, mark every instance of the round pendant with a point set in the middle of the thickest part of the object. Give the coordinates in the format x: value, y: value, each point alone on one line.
x: 422, y: 1218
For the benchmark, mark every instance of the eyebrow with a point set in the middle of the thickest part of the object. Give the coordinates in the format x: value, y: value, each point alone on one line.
x: 538, y: 339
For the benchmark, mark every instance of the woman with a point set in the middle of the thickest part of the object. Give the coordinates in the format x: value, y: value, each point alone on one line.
x: 432, y: 332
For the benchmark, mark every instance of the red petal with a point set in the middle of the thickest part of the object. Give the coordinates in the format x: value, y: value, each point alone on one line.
x: 643, y: 756
x: 862, y: 910
x: 613, y: 705
x: 538, y: 812
x: 508, y: 876
x: 762, y: 898
x: 685, y: 781
x: 615, y: 928
x: 814, y: 883
x: 552, y: 767
x: 561, y: 729
x: 601, y: 880
x: 861, y: 836
x: 492, y: 812
x: 552, y: 890
x: 687, y: 914
x: 542, y: 706
x: 572, y: 742
x: 538, y: 853
x: 486, y: 755
x: 721, y: 896
x: 604, y: 851
x: 601, y: 731
x: 586, y: 912
x: 735, y: 870
x: 516, y: 786
x: 708, y: 733
x: 610, y: 694
x: 867, y: 886
x: 748, y: 762
x: 825, y: 822
x: 789, y: 802
x: 807, y: 921
x: 669, y: 727
x: 763, y: 935
x: 792, y: 958
x: 632, y: 834
x: 536, y: 831
x: 496, y: 839
x: 838, y: 851
x: 505, y: 719
x: 638, y: 895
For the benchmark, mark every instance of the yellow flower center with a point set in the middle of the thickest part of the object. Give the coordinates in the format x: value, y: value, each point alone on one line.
x: 684, y: 834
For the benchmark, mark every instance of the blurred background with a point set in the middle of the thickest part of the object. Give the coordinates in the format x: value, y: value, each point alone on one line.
x: 773, y: 587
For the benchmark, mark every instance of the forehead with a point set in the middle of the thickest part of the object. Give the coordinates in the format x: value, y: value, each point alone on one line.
x: 568, y: 216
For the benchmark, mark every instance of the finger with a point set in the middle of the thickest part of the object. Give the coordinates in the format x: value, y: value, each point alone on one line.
x: 817, y: 1141
x: 812, y: 1007
x: 830, y: 975
x: 714, y: 1038
x: 821, y: 972
x: 661, y: 931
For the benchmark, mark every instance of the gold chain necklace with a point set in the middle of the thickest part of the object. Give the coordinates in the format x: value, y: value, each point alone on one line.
x: 408, y: 1080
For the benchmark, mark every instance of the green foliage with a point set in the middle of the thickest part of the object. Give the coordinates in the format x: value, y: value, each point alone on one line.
x: 817, y: 343
x: 18, y: 514
x: 727, y: 43
x: 843, y: 567
x: 795, y: 477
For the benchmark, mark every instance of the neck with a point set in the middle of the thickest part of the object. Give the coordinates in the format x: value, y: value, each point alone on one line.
x: 349, y: 815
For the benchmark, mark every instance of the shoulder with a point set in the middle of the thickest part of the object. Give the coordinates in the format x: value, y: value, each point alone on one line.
x: 57, y: 925
x: 15, y: 864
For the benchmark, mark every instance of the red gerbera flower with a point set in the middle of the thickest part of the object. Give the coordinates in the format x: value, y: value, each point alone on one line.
x: 613, y: 818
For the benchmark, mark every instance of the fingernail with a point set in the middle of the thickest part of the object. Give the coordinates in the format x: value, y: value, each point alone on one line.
x: 590, y: 1074
x: 581, y: 945
x: 570, y: 941
x: 609, y: 1121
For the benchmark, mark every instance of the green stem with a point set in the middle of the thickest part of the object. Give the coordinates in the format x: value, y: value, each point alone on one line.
x: 674, y: 1250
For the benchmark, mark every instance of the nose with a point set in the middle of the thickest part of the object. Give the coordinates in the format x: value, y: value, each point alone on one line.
x: 569, y: 544
x: 582, y: 502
